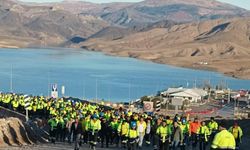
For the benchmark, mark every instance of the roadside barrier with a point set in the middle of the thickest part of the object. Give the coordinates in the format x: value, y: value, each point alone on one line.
x: 205, y: 112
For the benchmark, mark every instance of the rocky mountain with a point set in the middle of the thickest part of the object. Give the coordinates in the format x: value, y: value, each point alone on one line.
x: 221, y: 45
x: 44, y: 25
x: 152, y: 11
x: 82, y: 7
x: 118, y: 32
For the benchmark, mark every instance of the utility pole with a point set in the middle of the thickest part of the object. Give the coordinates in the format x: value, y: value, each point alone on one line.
x: 49, y: 84
x: 63, y: 91
x: 83, y: 90
x: 109, y: 92
x: 96, y: 91
x: 129, y: 91
x: 194, y: 86
x: 209, y: 94
x: 229, y: 96
x: 11, y: 79
x: 234, y: 107
x: 187, y: 84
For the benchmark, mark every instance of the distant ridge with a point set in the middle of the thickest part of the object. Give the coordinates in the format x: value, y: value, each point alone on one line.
x: 223, y: 45
x: 43, y: 24
x: 152, y: 11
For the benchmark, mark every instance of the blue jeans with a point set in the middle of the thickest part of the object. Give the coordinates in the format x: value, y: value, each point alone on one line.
x: 175, y: 145
x: 77, y: 141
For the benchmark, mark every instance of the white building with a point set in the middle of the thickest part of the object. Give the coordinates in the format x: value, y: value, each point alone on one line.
x: 193, y: 95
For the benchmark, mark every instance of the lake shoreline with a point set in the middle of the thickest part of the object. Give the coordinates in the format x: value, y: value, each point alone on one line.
x: 180, y: 65
x: 177, y: 63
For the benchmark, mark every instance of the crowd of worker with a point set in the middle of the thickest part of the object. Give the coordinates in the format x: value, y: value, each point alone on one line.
x: 82, y: 123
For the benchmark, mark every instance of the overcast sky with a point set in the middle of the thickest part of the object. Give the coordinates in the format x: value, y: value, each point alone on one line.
x: 241, y: 3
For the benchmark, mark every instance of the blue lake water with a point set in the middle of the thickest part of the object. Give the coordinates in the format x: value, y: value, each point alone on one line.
x: 91, y: 74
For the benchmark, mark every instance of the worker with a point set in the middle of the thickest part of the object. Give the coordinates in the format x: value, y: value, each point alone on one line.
x: 185, y: 130
x: 176, y: 136
x: 61, y: 132
x: 156, y: 125
x: 94, y: 127
x: 213, y: 127
x: 15, y: 104
x: 223, y: 139
x: 132, y: 136
x: 237, y: 133
x: 194, y: 126
x: 203, y: 133
x: 7, y: 101
x: 164, y: 136
x: 141, y: 127
x: 177, y: 119
x: 76, y: 129
x: 53, y: 127
x: 105, y: 132
x: 123, y: 130
x: 148, y: 132
x: 69, y: 132
x: 114, y: 136
x: 85, y: 125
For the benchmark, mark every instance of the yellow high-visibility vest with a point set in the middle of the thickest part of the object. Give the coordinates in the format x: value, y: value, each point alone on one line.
x: 223, y: 140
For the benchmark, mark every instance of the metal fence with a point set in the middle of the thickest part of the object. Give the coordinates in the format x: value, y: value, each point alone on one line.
x: 5, y: 113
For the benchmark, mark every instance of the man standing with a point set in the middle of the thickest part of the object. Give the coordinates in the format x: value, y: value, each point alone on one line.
x: 94, y: 127
x: 213, y: 127
x: 132, y: 136
x: 69, y: 131
x: 237, y: 133
x: 85, y: 124
x: 185, y: 130
x: 76, y: 129
x: 148, y: 130
x: 164, y: 136
x: 105, y: 132
x: 114, y: 136
x: 61, y: 129
x: 123, y: 130
x: 177, y: 136
x: 194, y: 126
x: 203, y: 132
x: 156, y: 125
x: 223, y: 140
x: 53, y: 127
x: 141, y: 127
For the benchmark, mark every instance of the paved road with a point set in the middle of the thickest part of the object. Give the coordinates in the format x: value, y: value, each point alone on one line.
x: 227, y: 111
x: 61, y: 146
x: 65, y: 146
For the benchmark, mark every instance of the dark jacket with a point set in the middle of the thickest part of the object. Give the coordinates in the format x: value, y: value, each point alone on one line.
x: 106, y: 128
x: 78, y: 129
x: 154, y: 128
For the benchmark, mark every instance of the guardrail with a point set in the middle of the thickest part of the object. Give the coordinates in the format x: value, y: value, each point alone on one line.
x: 4, y: 113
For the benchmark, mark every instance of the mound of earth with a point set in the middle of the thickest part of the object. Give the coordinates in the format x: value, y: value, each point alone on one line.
x: 14, y: 133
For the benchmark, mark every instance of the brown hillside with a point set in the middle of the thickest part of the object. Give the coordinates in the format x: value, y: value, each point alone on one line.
x: 223, y: 44
x: 23, y: 25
